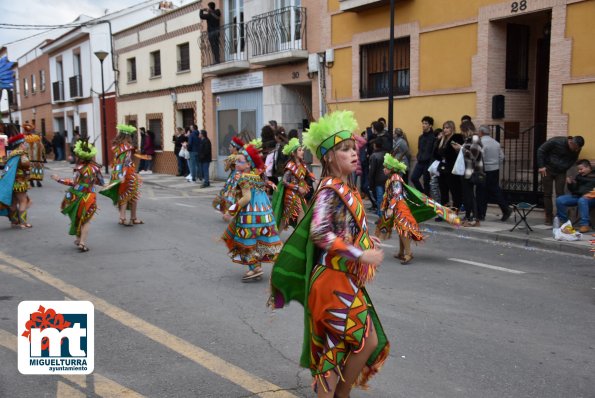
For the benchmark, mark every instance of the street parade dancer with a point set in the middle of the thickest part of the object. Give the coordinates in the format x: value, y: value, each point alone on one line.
x: 80, y: 202
x: 326, y: 264
x: 14, y: 184
x: 36, y: 155
x: 289, y: 203
x: 227, y: 195
x: 403, y: 207
x: 124, y: 186
x: 251, y: 236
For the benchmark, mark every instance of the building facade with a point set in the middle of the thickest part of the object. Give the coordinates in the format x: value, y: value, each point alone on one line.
x: 35, y: 91
x: 160, y: 78
x: 525, y: 67
x: 256, y: 68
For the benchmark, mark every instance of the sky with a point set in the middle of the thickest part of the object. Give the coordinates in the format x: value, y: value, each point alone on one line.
x: 31, y: 12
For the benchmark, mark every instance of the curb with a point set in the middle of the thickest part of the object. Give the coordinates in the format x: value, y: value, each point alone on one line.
x: 502, y: 237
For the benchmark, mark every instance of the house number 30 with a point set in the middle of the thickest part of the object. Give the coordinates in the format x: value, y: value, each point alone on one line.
x: 517, y: 6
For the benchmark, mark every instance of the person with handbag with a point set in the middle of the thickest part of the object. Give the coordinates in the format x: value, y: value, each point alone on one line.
x: 474, y: 172
x: 178, y: 139
x: 446, y: 153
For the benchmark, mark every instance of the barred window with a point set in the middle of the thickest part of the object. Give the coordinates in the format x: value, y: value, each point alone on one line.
x: 374, y: 64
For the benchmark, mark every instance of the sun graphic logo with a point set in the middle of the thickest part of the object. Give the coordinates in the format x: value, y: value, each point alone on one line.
x: 56, y: 337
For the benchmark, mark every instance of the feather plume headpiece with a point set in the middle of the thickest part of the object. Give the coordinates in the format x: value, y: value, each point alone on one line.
x: 393, y: 164
x: 83, y: 150
x: 328, y: 131
x: 291, y: 146
x: 126, y: 129
x: 256, y: 143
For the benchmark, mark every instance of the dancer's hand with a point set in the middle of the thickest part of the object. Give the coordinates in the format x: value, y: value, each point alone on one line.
x: 372, y: 256
x: 389, y: 213
x: 375, y: 240
x: 55, y: 177
x: 227, y: 217
x: 542, y: 171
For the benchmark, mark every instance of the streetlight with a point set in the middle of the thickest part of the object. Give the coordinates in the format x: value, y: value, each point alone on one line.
x: 101, y: 55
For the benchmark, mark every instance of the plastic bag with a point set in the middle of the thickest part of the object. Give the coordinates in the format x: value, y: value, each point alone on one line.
x: 459, y: 167
x: 433, y: 169
x: 566, y: 232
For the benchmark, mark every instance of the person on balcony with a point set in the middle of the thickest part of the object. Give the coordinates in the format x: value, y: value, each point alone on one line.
x: 212, y: 16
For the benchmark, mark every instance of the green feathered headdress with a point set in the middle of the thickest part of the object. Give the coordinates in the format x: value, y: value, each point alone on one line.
x: 256, y: 143
x: 126, y: 129
x: 393, y: 164
x: 85, y: 151
x: 328, y: 131
x: 291, y: 146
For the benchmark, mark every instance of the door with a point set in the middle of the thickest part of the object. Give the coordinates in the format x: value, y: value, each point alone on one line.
x: 238, y: 114
x: 234, y: 34
x: 289, y: 21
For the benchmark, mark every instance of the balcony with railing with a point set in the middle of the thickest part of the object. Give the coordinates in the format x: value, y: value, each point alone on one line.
x: 58, y: 91
x: 224, y: 50
x: 361, y: 5
x: 76, y: 86
x: 278, y: 36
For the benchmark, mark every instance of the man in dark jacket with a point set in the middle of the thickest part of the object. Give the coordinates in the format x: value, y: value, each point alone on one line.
x: 212, y: 16
x: 554, y: 158
x: 425, y: 150
x: 194, y: 149
x: 581, y: 195
x: 377, y: 176
x: 204, y: 157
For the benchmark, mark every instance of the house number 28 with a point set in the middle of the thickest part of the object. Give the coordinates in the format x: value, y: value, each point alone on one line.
x: 517, y: 6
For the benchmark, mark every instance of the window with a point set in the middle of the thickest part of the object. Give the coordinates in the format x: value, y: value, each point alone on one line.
x: 517, y: 56
x: 33, y: 85
x: 155, y: 63
x: 183, y: 57
x: 374, y: 63
x: 155, y: 128
x: 84, y: 130
x: 25, y: 87
x: 42, y: 80
x: 131, y: 69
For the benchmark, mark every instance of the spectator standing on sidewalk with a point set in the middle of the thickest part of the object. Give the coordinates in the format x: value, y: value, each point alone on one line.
x: 446, y: 154
x: 194, y: 149
x: 401, y: 151
x: 149, y: 150
x: 58, y: 143
x: 142, y: 166
x: 205, y: 157
x: 490, y: 191
x: 377, y: 176
x: 554, y: 158
x: 579, y: 188
x: 178, y: 139
x: 425, y: 149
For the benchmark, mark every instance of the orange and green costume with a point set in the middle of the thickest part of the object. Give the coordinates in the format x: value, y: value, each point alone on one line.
x: 80, y: 201
x: 288, y: 203
x: 319, y: 268
x: 124, y: 186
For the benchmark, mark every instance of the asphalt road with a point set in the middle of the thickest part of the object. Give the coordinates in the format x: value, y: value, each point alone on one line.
x: 173, y: 319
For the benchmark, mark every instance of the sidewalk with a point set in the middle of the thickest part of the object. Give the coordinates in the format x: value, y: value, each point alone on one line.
x: 492, y: 229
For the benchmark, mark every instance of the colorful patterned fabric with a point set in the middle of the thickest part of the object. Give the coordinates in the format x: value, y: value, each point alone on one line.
x: 227, y: 196
x: 251, y: 236
x: 21, y: 179
x: 401, y: 218
x: 36, y: 156
x: 7, y: 178
x: 125, y: 183
x: 80, y: 202
x: 319, y: 268
x: 292, y: 201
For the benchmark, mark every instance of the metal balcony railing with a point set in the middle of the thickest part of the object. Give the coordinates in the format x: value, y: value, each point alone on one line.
x: 58, y: 90
x: 131, y: 76
x: 224, y: 45
x: 156, y: 70
x: 283, y: 29
x: 76, y: 86
x: 183, y: 64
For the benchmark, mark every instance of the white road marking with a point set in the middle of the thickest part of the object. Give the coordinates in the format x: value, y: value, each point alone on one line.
x: 182, y: 204
x: 256, y: 385
x: 494, y: 267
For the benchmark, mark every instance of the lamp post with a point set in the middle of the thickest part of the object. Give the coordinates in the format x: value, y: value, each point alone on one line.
x: 101, y: 55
